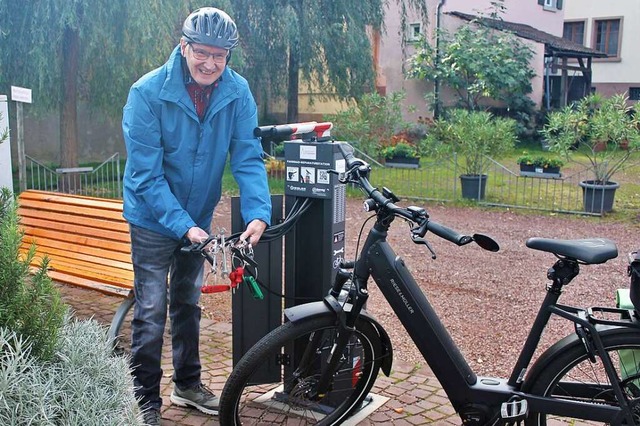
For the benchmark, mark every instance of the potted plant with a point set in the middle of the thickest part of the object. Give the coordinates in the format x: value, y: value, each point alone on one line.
x: 605, y: 132
x: 278, y: 151
x: 275, y: 167
x: 402, y: 154
x: 475, y: 137
x: 539, y: 165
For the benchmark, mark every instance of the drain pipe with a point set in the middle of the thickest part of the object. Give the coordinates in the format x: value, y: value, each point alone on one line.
x: 436, y: 83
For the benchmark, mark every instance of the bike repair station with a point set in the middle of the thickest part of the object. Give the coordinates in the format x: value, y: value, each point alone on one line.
x: 315, y: 202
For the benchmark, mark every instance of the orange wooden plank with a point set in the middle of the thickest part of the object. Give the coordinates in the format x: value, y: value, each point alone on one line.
x: 72, y: 199
x: 45, y: 206
x: 80, y: 282
x: 84, y: 253
x: 95, y: 275
x: 86, y: 227
x: 84, y: 243
x: 58, y: 261
x: 110, y: 225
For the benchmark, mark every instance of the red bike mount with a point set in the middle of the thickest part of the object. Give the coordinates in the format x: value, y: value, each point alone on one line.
x: 236, y: 277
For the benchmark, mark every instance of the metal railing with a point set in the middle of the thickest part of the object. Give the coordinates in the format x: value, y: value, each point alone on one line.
x: 103, y: 180
x: 440, y: 181
x: 504, y: 188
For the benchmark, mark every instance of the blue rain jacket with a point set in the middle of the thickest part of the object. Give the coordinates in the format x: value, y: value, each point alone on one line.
x: 174, y: 168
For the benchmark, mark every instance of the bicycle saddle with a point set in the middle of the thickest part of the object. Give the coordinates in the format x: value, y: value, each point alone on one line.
x: 588, y: 250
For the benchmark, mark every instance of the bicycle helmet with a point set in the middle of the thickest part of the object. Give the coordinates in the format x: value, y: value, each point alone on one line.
x: 212, y: 27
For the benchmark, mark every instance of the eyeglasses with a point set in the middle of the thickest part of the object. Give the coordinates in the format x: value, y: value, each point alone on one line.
x: 203, y: 55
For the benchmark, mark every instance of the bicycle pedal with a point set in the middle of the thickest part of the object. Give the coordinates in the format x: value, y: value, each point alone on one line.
x: 514, y: 410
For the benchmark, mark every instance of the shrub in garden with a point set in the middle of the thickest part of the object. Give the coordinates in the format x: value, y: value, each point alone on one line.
x: 371, y: 124
x: 30, y: 305
x: 53, y: 370
x: 82, y: 384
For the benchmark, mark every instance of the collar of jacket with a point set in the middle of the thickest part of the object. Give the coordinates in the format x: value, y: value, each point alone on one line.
x: 174, y: 90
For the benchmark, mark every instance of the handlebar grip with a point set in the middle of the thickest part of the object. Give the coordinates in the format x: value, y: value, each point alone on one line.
x: 190, y: 248
x: 279, y: 131
x: 448, y: 234
x: 347, y: 153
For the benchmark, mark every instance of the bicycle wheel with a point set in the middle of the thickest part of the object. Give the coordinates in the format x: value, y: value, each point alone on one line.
x: 292, y: 398
x: 573, y: 376
x: 120, y: 329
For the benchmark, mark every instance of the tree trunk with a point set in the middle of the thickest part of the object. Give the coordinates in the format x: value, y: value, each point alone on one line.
x: 69, y: 182
x: 294, y: 66
x: 68, y: 109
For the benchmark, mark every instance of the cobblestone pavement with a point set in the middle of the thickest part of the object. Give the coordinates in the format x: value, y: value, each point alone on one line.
x: 414, y: 395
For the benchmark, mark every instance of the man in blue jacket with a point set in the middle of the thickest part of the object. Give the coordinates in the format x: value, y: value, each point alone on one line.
x: 180, y: 123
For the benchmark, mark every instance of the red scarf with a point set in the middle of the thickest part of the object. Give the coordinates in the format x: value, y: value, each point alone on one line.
x: 200, y: 96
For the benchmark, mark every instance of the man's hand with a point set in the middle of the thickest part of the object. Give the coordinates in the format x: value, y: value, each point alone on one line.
x: 253, y: 232
x: 196, y: 235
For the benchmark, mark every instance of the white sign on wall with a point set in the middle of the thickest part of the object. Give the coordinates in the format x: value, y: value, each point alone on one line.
x: 20, y: 94
x: 6, y: 179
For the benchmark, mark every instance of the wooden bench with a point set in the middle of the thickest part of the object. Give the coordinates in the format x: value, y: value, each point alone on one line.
x: 86, y: 239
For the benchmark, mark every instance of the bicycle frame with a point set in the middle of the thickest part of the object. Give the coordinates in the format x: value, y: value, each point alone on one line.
x: 476, y: 399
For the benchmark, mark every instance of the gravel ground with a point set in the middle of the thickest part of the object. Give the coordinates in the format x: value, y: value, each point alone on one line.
x: 486, y: 300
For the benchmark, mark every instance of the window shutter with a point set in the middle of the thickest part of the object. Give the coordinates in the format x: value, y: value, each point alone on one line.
x: 541, y: 2
x: 558, y: 4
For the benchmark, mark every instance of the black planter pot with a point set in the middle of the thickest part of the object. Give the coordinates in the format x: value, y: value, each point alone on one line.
x: 598, y: 197
x: 473, y: 186
x: 403, y: 162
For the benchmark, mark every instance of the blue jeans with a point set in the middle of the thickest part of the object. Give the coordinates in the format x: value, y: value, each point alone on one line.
x: 157, y: 258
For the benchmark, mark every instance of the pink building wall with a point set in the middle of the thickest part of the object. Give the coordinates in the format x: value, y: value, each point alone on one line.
x: 391, y: 56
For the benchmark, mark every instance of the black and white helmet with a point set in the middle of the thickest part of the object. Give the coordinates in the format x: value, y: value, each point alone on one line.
x: 212, y: 27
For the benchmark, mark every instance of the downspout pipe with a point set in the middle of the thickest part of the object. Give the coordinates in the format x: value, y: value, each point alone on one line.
x: 436, y: 83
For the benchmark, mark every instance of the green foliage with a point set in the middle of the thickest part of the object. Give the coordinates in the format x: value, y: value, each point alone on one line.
x: 478, y: 62
x: 119, y: 41
x: 83, y: 384
x: 327, y: 44
x: 539, y: 160
x: 30, y: 305
x: 472, y: 135
x: 371, y: 124
x: 605, y: 131
x: 401, y: 150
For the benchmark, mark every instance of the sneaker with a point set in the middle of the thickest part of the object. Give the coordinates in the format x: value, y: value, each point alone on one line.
x: 198, y: 397
x: 151, y: 416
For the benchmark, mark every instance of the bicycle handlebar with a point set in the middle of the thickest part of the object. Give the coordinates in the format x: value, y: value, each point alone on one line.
x: 448, y: 233
x: 358, y: 172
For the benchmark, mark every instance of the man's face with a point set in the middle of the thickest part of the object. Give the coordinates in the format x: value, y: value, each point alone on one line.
x: 205, y: 63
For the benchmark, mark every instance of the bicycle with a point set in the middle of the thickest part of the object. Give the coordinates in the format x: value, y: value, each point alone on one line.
x: 330, y: 352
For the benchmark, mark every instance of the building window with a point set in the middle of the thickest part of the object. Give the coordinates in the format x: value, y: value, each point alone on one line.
x: 574, y: 31
x: 414, y: 31
x: 634, y: 93
x: 551, y: 5
x: 607, y: 36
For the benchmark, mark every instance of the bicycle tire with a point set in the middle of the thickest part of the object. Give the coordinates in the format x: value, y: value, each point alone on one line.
x: 244, y: 403
x: 570, y: 364
x: 122, y: 316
